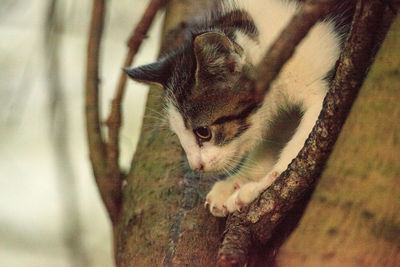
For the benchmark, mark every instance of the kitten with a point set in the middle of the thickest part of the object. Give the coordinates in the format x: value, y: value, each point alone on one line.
x: 222, y: 125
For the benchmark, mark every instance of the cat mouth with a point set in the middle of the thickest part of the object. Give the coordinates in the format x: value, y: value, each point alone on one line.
x: 224, y: 172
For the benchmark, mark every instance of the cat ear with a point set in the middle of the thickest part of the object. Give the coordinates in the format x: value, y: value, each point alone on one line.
x: 157, y: 72
x: 216, y: 55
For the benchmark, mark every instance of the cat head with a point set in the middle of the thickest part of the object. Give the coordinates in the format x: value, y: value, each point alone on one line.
x: 212, y: 103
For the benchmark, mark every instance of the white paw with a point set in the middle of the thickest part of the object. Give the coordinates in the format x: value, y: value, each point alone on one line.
x: 230, y: 203
x: 244, y: 196
x: 218, y: 195
x: 249, y: 192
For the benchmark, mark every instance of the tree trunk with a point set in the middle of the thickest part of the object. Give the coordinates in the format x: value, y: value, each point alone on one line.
x: 160, y: 201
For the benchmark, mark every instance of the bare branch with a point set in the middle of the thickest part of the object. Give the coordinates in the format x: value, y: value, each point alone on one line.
x: 115, y: 118
x: 110, y: 190
x: 261, y: 218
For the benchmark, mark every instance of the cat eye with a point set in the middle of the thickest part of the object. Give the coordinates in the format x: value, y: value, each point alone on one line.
x: 204, y: 133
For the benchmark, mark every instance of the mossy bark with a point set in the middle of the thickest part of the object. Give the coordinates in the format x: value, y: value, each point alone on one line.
x: 163, y: 221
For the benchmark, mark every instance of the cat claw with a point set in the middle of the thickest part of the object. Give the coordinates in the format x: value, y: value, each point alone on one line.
x: 219, y: 212
x: 206, y: 203
x: 236, y: 186
x: 230, y: 203
x: 274, y: 174
x: 239, y: 204
x: 215, y: 200
x: 244, y: 196
x: 216, y: 211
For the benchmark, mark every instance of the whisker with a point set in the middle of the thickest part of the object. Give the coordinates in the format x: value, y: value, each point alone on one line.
x: 155, y: 117
x: 155, y: 112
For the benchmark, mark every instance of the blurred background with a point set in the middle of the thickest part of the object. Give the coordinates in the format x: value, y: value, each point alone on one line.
x: 50, y: 211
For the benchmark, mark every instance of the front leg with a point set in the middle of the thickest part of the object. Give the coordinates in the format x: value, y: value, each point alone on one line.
x: 251, y: 191
x: 296, y: 143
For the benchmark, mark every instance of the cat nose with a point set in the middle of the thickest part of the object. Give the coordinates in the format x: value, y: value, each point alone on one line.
x: 199, y: 168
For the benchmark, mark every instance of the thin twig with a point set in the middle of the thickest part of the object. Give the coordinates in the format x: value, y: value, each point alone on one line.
x: 260, y: 219
x: 115, y: 118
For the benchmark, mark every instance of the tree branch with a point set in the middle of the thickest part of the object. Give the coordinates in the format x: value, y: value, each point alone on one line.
x: 109, y: 189
x: 104, y: 156
x: 260, y: 219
